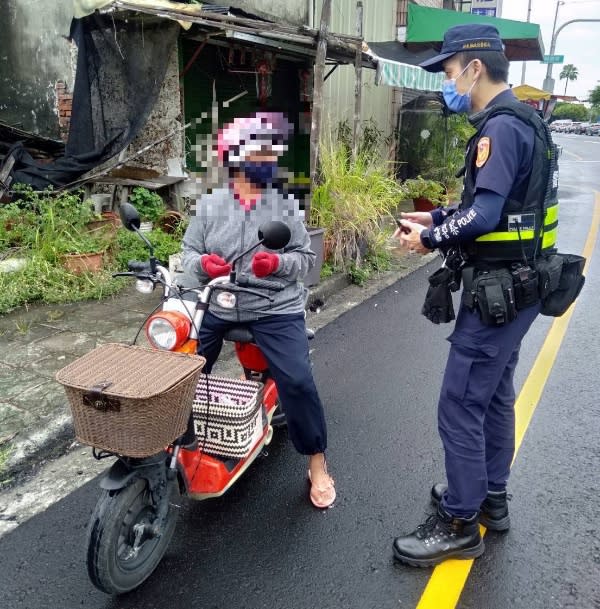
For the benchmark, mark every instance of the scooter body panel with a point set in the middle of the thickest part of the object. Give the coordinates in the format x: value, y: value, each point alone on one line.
x: 251, y: 357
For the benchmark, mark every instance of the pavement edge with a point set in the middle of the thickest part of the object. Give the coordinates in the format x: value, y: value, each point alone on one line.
x: 330, y: 298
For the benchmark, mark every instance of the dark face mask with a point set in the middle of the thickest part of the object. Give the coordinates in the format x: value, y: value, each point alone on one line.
x: 260, y: 172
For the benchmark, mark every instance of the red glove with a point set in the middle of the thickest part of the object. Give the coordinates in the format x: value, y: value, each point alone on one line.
x: 214, y: 266
x: 265, y: 263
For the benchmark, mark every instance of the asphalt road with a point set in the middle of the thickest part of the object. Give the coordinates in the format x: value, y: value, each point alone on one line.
x: 379, y: 370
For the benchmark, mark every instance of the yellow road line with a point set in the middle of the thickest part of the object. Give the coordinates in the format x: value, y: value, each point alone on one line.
x: 448, y: 579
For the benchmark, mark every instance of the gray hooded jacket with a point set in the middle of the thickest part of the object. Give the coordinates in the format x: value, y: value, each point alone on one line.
x: 220, y: 225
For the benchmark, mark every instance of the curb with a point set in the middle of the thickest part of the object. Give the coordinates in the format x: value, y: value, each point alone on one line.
x: 326, y: 302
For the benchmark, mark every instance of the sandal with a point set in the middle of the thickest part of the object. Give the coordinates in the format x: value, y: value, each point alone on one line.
x: 322, y: 497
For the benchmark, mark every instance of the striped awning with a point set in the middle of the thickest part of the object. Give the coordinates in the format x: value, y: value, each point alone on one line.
x: 396, y: 74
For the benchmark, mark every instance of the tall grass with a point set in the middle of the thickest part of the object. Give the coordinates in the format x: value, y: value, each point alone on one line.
x: 352, y: 198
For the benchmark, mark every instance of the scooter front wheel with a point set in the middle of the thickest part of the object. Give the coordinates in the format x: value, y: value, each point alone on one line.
x: 122, y: 551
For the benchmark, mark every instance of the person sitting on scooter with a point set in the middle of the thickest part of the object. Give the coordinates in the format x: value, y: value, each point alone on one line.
x: 224, y: 223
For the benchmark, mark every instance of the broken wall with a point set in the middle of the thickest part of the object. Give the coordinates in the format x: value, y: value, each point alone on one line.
x: 35, y: 57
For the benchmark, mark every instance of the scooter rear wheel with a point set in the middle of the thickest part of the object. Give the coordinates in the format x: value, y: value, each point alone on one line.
x: 115, y: 563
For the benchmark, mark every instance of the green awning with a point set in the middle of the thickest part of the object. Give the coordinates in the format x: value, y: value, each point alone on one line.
x: 426, y: 27
x: 396, y: 74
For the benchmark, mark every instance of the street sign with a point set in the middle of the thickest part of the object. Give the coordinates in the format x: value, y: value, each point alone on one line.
x: 486, y: 8
x: 553, y: 59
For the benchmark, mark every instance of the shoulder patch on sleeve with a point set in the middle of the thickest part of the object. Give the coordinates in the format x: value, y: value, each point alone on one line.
x: 484, y: 146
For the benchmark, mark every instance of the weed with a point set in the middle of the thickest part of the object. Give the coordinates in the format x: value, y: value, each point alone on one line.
x: 5, y: 450
x: 54, y: 315
x: 359, y: 274
x: 23, y: 326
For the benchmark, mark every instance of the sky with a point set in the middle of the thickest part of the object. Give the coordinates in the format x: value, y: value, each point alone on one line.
x: 578, y: 42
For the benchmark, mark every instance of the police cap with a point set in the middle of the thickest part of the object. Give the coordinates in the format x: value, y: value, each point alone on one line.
x: 471, y: 37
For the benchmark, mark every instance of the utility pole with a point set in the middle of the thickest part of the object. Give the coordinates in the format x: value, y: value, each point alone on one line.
x: 358, y: 79
x: 525, y: 63
x: 317, y: 109
x: 549, y: 81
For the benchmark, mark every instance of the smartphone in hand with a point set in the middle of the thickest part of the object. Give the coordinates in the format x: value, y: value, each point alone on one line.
x: 403, y: 229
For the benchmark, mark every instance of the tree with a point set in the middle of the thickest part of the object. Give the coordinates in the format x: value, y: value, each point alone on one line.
x: 576, y: 112
x: 569, y: 72
x: 595, y: 101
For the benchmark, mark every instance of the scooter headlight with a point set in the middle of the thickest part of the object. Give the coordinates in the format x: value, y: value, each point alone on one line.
x: 168, y: 330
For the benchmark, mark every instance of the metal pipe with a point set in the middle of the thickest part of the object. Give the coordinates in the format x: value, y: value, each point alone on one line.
x: 524, y: 63
x: 548, y: 81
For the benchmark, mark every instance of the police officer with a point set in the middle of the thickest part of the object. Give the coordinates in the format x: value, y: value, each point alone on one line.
x: 507, y: 217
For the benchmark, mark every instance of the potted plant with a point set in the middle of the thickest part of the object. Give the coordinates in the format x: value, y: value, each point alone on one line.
x: 149, y: 204
x: 426, y: 194
x: 80, y: 251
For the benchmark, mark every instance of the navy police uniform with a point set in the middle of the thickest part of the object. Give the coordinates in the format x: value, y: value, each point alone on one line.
x: 475, y: 410
x: 507, y: 217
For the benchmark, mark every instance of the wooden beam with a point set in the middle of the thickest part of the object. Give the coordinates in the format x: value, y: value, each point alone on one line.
x: 317, y: 109
x: 358, y: 80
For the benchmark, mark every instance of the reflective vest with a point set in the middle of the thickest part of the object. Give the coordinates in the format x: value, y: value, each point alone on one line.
x: 529, y: 223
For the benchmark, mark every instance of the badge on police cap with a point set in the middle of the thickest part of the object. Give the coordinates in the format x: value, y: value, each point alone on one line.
x: 483, y: 151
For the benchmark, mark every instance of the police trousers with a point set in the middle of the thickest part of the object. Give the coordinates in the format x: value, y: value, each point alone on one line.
x: 282, y: 340
x: 476, y: 418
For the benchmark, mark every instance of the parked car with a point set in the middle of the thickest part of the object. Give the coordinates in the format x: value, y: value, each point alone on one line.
x: 593, y: 129
x: 560, y: 126
x: 573, y: 127
x: 581, y: 128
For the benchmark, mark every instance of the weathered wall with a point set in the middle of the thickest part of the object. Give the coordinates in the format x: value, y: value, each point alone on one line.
x: 34, y: 56
x: 164, y: 118
x: 379, y: 24
x: 292, y: 11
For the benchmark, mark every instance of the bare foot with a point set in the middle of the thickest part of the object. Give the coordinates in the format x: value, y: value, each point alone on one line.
x: 322, y: 491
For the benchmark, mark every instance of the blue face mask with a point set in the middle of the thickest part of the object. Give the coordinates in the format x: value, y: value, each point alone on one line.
x: 260, y: 172
x: 456, y: 102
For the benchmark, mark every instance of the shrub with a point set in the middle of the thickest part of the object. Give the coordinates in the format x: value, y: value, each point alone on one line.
x: 149, y: 204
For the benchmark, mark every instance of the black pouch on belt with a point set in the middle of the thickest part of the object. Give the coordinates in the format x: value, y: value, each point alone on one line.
x: 493, y: 293
x: 549, y: 271
x: 438, y: 307
x: 526, y: 285
x: 570, y: 283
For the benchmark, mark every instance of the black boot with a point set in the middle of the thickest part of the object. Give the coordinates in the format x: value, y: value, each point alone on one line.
x: 494, y: 509
x: 442, y: 536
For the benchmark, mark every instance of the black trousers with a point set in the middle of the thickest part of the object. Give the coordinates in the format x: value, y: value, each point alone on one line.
x: 282, y: 340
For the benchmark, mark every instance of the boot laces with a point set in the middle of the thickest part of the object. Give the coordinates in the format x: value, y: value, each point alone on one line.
x: 428, y: 527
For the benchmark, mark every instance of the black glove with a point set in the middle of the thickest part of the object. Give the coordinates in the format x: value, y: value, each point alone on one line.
x: 438, y: 307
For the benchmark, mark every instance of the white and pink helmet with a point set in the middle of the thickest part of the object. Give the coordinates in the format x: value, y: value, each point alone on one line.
x: 245, y: 135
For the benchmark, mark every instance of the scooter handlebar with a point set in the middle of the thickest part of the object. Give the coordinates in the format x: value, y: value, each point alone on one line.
x: 138, y: 266
x: 246, y: 281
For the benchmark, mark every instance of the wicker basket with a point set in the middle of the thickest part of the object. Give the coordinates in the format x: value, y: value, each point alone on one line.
x: 228, y: 418
x: 130, y: 400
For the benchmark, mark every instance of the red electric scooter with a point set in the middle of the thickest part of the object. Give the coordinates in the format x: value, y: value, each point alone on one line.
x: 134, y: 519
